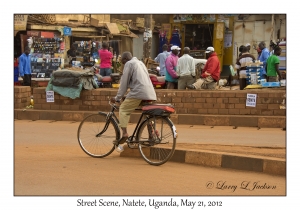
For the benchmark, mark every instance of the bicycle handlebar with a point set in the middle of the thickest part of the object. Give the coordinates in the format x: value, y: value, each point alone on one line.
x: 113, y: 104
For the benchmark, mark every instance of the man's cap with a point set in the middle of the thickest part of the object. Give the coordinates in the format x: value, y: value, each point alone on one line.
x: 210, y: 49
x: 174, y: 47
x: 248, y: 44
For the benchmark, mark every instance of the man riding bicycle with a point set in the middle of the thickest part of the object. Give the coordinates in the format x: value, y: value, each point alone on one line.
x: 136, y: 77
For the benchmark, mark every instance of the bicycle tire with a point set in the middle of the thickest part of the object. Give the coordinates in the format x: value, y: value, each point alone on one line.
x: 159, y: 153
x: 88, y: 129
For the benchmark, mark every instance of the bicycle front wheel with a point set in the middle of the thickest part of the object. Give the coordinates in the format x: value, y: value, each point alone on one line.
x: 160, y: 147
x: 96, y: 134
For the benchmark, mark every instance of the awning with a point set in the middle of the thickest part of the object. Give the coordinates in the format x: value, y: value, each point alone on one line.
x: 89, y: 36
x: 114, y: 30
x: 60, y: 28
x: 132, y: 35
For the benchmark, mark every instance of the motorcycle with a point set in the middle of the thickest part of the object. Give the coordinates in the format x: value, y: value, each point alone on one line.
x: 106, y: 81
x: 158, y: 82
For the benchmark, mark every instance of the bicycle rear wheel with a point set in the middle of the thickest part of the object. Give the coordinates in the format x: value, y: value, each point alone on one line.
x: 160, y: 148
x: 95, y: 135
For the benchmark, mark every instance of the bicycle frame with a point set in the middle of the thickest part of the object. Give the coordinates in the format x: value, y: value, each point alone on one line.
x: 153, y: 128
x: 111, y: 114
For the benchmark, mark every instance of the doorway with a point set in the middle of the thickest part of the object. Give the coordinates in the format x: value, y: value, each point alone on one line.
x: 199, y: 36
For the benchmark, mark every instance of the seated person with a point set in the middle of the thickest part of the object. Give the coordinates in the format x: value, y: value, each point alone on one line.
x: 211, y: 72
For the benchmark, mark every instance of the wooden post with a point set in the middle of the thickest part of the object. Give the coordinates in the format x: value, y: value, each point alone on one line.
x: 147, y: 36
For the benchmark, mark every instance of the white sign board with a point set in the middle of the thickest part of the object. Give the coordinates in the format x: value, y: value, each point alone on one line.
x: 251, y: 100
x: 50, y: 96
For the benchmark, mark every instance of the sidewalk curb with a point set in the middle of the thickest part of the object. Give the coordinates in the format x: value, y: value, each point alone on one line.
x: 269, y: 165
x: 180, y: 119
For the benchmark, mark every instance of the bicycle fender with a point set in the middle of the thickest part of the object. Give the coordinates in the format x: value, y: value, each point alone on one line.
x: 174, y: 130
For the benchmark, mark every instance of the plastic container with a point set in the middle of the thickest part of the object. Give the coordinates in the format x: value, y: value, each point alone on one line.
x: 283, y: 82
x: 31, y: 101
x: 253, y: 79
x: 115, y: 85
x: 263, y: 81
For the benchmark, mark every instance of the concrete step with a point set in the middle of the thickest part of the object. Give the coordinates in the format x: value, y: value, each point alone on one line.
x: 270, y: 165
x: 188, y: 119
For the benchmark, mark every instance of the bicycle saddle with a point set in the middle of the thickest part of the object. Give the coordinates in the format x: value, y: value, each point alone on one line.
x: 158, y: 109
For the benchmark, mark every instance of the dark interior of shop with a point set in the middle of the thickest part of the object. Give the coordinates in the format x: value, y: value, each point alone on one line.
x: 17, y: 46
x: 199, y: 36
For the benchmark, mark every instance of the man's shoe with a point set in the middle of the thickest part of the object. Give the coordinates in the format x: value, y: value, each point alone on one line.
x: 190, y: 87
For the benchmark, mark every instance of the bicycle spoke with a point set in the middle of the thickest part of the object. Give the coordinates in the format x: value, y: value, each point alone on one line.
x: 160, y: 149
x: 93, y: 144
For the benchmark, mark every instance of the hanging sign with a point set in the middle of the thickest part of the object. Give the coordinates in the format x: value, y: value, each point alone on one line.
x: 20, y: 22
x: 50, y: 96
x: 251, y: 100
x: 67, y: 31
x: 34, y: 33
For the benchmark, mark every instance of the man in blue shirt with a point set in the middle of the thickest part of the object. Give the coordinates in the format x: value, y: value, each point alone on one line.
x: 25, y: 67
x: 161, y: 59
x: 263, y: 57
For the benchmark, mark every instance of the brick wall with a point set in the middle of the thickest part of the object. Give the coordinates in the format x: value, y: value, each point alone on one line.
x: 22, y: 96
x: 185, y: 101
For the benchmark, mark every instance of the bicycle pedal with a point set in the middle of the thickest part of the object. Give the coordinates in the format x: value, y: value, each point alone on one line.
x: 132, y: 146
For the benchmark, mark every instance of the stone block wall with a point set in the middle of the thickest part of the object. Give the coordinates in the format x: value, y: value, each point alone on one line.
x: 21, y: 96
x: 214, y: 108
x: 185, y: 101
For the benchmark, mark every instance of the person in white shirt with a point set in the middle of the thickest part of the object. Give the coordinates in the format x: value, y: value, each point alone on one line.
x: 161, y: 59
x: 185, y: 69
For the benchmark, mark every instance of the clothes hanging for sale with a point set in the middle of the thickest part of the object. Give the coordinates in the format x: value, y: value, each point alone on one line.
x: 162, y: 40
x: 175, y: 39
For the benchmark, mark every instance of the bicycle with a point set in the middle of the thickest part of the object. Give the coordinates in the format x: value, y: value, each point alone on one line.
x: 154, y: 134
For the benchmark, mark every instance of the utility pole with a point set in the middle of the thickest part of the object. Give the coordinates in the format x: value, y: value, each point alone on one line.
x: 147, y: 36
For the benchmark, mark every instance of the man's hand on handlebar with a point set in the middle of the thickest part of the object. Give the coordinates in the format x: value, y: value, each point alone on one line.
x: 113, y: 100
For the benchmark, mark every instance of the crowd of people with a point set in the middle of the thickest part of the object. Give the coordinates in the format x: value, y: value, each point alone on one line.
x: 269, y: 59
x: 180, y: 72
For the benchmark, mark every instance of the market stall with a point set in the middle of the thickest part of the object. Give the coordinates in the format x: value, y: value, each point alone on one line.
x: 46, y: 54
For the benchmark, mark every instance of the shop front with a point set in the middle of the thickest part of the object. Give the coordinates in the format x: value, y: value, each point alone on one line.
x: 199, y: 32
x: 47, y: 49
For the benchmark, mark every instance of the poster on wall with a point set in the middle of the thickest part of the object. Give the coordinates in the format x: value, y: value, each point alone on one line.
x: 251, y: 100
x: 220, y: 30
x: 50, y: 96
x: 20, y: 22
x: 228, y: 39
